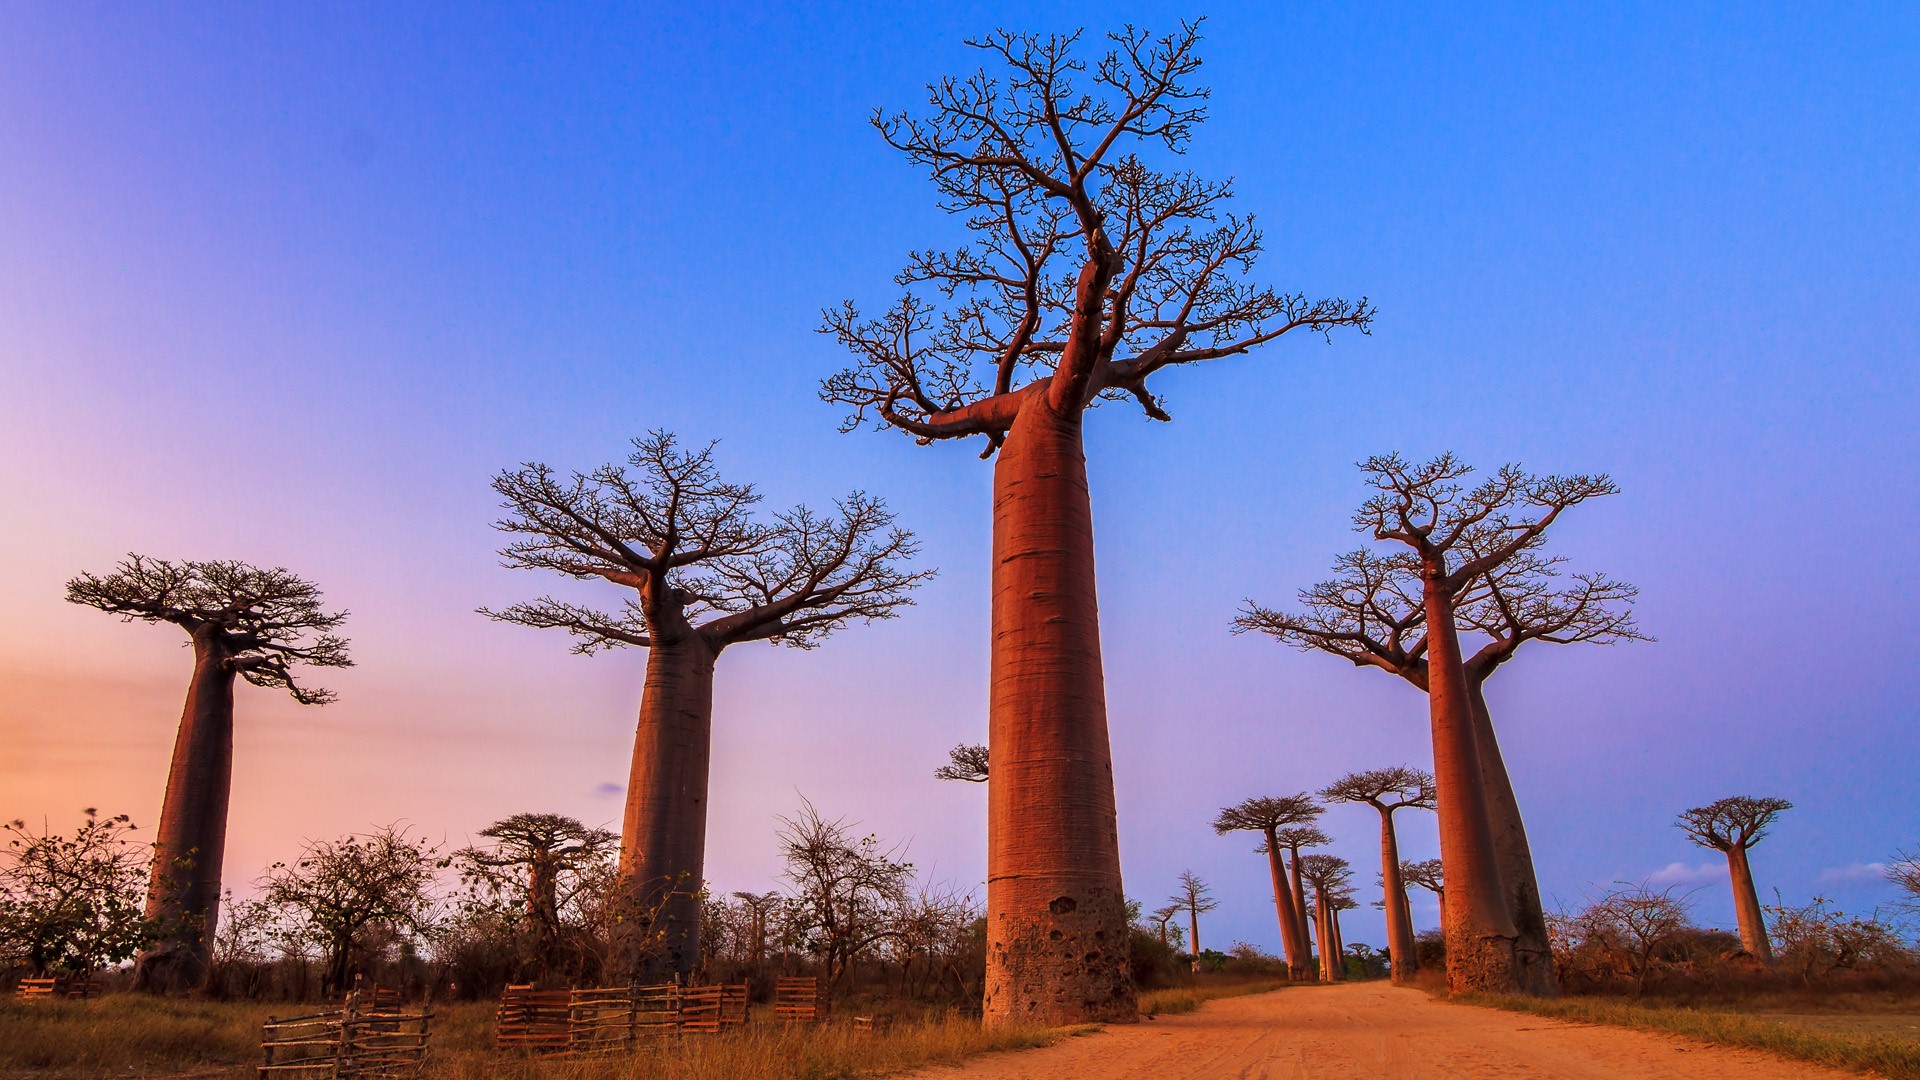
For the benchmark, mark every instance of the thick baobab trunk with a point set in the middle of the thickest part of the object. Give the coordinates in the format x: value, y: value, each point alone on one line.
x: 543, y: 911
x: 1323, y: 930
x: 1290, y: 938
x: 1532, y: 952
x: 1339, y: 945
x: 183, y: 893
x: 1300, y: 917
x: 1056, y: 914
x: 663, y: 838
x: 1746, y: 907
x: 1394, y: 902
x: 1193, y: 928
x: 1479, y: 929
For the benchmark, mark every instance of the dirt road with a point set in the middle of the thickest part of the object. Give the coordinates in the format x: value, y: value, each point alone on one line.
x: 1372, y: 1031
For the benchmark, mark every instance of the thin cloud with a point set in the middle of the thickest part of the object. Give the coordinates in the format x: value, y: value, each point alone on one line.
x: 1853, y: 874
x: 1683, y: 874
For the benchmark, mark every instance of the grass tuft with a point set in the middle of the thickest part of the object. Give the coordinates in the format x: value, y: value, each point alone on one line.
x: 1184, y: 999
x: 1891, y: 1056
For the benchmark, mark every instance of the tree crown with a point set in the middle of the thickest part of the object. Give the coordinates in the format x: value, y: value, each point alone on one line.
x: 266, y: 621
x: 1090, y: 268
x: 1263, y: 813
x: 1384, y: 789
x: 1429, y: 874
x: 1193, y: 894
x: 1327, y: 874
x: 686, y: 541
x: 1428, y: 508
x: 966, y: 762
x: 1735, y: 822
x: 1295, y: 837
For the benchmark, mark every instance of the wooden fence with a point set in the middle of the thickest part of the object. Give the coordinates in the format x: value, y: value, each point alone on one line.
x: 588, y: 1021
x: 82, y: 986
x: 352, y: 1043
x: 797, y: 999
x: 709, y: 1010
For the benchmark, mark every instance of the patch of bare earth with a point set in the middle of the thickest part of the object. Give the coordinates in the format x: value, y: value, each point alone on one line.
x: 1374, y: 1031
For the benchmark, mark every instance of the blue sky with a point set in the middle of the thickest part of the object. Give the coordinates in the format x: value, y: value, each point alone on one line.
x: 290, y: 286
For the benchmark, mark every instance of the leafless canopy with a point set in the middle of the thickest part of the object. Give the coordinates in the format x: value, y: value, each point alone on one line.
x: 1429, y: 874
x: 1295, y: 837
x: 1429, y: 509
x: 689, y: 546
x: 1735, y: 822
x: 553, y: 841
x: 1904, y: 873
x: 1384, y: 789
x: 1091, y: 267
x: 1371, y: 613
x: 1193, y: 896
x: 1328, y: 874
x: 268, y: 621
x: 966, y: 762
x: 1267, y: 813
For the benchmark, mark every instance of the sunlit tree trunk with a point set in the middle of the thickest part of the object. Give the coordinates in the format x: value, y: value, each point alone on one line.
x: 1339, y: 944
x: 663, y: 836
x: 1300, y: 916
x: 1746, y: 906
x: 1056, y: 913
x: 1323, y: 931
x: 1479, y: 929
x: 1290, y: 937
x: 1394, y: 902
x: 183, y: 893
x: 1533, y: 955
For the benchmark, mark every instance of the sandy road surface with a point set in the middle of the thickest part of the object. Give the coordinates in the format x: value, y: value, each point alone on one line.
x: 1372, y: 1031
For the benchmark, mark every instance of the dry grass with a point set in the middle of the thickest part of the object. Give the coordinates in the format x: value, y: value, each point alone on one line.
x: 134, y: 1036
x: 1184, y: 999
x: 1867, y: 1035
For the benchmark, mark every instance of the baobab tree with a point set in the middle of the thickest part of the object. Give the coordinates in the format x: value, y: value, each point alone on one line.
x: 1430, y: 875
x: 703, y: 574
x: 1403, y: 613
x: 1193, y: 897
x: 1267, y: 815
x: 760, y: 907
x: 966, y: 762
x: 1293, y: 838
x: 1092, y: 269
x: 1731, y: 826
x: 1328, y: 875
x: 1387, y: 790
x: 1170, y: 936
x: 244, y: 622
x: 547, y: 858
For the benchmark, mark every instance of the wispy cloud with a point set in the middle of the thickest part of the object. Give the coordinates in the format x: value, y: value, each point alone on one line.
x: 1853, y: 874
x: 609, y: 788
x: 1688, y: 874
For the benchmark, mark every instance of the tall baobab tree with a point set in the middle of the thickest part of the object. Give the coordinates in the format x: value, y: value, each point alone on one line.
x: 1387, y: 790
x: 1731, y: 826
x: 761, y: 908
x: 1293, y: 838
x: 1328, y: 875
x: 1092, y: 269
x: 1163, y: 917
x: 704, y: 574
x: 1383, y: 611
x: 243, y: 622
x: 967, y: 763
x: 1430, y: 875
x: 1194, y: 897
x: 1267, y: 815
x: 548, y: 858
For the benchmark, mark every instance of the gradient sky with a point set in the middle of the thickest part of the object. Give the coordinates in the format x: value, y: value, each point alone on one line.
x: 289, y: 286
